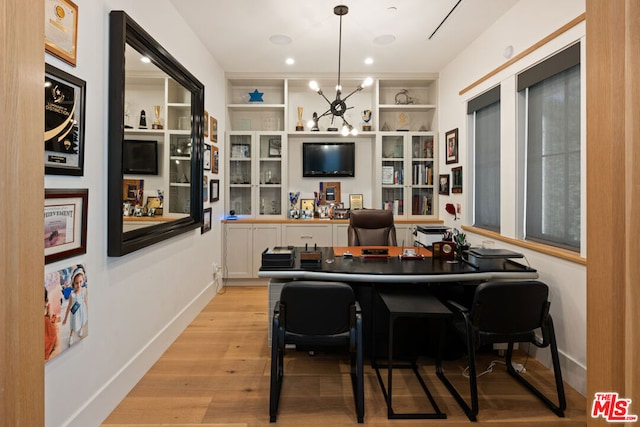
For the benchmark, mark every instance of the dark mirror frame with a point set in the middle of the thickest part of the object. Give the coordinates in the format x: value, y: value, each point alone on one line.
x: 124, y: 30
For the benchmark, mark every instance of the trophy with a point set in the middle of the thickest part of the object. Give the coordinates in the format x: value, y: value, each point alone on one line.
x: 156, y: 123
x: 299, y: 125
x: 143, y: 120
x: 366, y: 117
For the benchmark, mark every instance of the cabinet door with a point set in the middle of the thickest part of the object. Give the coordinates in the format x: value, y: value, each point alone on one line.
x: 307, y: 234
x: 270, y: 174
x: 393, y: 170
x: 404, y: 234
x: 238, y: 259
x: 422, y: 177
x: 240, y: 173
x: 340, y: 234
x: 264, y: 236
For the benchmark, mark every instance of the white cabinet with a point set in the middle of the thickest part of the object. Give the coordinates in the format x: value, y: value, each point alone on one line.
x: 407, y: 173
x: 256, y: 104
x: 307, y: 234
x: 244, y: 244
x: 256, y: 173
x: 341, y: 234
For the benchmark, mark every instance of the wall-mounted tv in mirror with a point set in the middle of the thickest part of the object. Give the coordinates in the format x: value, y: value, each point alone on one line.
x: 328, y: 159
x: 140, y: 157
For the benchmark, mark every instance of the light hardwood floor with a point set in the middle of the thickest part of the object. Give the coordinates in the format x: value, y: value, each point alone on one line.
x: 217, y: 374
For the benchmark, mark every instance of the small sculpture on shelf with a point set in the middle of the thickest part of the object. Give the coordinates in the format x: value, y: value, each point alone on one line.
x: 143, y: 120
x: 294, y: 213
x: 403, y: 98
x: 313, y: 123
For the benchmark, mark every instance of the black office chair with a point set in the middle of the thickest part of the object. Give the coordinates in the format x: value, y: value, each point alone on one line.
x: 506, y: 312
x: 317, y: 315
x: 371, y: 227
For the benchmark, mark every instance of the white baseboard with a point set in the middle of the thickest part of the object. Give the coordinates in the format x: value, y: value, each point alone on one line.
x: 98, y: 407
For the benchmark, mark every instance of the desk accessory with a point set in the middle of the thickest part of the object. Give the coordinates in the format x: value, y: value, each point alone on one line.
x: 444, y: 250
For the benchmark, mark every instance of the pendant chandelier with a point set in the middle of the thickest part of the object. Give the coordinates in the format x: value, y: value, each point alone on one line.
x: 338, y: 107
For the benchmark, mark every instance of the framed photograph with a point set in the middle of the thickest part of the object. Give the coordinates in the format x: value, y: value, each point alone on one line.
x: 443, y: 185
x: 206, y: 221
x: 451, y: 139
x: 61, y: 29
x: 355, y: 201
x: 456, y: 180
x: 213, y: 129
x: 206, y: 156
x: 205, y: 128
x: 329, y: 192
x: 214, y: 188
x: 216, y: 160
x: 66, y: 309
x: 133, y: 191
x: 65, y: 223
x: 307, y: 208
x: 64, y: 111
x: 275, y: 147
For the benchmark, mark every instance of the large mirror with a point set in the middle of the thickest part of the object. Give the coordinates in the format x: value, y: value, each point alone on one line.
x: 156, y: 112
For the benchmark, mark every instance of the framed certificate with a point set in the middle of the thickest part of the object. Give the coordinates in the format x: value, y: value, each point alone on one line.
x: 355, y: 201
x: 61, y: 29
x: 65, y: 223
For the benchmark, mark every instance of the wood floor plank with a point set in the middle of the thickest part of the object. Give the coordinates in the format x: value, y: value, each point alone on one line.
x: 216, y: 374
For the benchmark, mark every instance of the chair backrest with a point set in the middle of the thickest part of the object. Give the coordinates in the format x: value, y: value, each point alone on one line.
x: 511, y: 307
x: 371, y: 227
x: 316, y: 308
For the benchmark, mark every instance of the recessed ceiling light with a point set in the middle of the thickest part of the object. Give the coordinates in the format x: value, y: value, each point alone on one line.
x: 392, y: 9
x: 384, y: 39
x: 368, y: 61
x: 290, y: 61
x: 280, y: 39
x: 145, y: 59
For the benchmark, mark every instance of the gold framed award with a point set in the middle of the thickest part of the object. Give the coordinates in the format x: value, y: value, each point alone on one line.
x: 61, y: 29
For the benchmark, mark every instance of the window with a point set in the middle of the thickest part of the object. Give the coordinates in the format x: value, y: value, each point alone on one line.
x: 485, y: 111
x: 553, y: 150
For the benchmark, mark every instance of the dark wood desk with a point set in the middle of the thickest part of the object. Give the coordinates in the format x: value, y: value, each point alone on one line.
x: 365, y: 274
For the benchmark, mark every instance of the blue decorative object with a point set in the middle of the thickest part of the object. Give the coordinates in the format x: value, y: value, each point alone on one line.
x: 256, y: 96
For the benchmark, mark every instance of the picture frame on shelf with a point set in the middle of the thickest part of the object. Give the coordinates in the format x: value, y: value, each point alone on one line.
x: 443, y: 185
x: 65, y: 223
x: 275, y: 147
x: 329, y: 192
x: 355, y: 201
x: 133, y: 190
x: 307, y: 208
x: 205, y: 128
x: 206, y: 157
x: 214, y: 188
x: 213, y: 129
x: 206, y: 220
x: 451, y: 141
x: 456, y: 180
x: 64, y: 122
x: 61, y: 30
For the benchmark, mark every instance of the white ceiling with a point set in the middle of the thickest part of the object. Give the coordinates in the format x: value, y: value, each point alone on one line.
x: 237, y: 33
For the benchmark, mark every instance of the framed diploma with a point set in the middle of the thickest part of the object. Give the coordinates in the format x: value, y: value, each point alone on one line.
x: 355, y: 201
x: 61, y: 29
x: 65, y: 223
x: 64, y: 106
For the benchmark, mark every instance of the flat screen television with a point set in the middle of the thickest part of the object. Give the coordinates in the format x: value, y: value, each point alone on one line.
x: 328, y: 159
x: 140, y: 157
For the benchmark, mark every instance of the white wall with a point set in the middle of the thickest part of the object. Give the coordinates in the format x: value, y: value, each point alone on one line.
x: 140, y: 302
x: 528, y: 22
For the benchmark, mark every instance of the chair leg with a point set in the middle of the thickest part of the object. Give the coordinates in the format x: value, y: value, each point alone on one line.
x: 277, y: 368
x: 357, y: 374
x: 562, y: 403
x: 470, y: 411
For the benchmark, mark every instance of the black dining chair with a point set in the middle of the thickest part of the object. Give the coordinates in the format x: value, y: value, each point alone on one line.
x: 506, y: 312
x: 317, y: 315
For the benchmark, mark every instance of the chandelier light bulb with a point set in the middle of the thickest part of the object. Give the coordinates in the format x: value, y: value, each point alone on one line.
x: 354, y: 131
x: 345, y: 130
x: 367, y: 82
x: 314, y: 85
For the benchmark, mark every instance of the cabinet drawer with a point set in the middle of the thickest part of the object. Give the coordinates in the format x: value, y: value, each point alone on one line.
x: 311, y: 234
